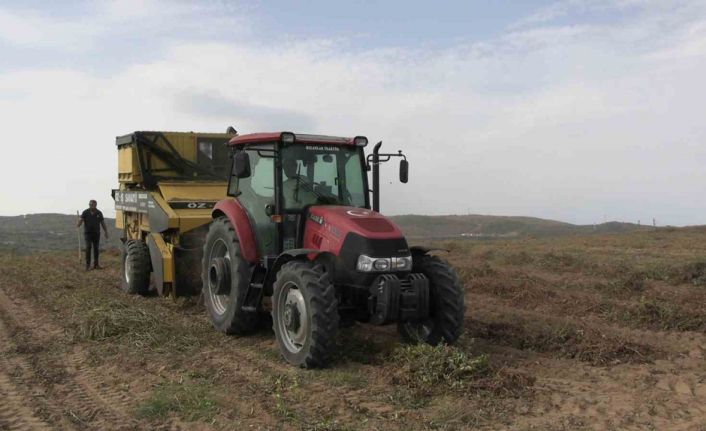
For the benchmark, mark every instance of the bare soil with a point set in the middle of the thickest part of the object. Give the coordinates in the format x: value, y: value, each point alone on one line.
x: 581, y: 332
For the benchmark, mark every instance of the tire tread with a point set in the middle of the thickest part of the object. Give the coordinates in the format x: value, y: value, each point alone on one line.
x: 450, y: 309
x: 241, y: 322
x: 139, y: 256
x: 324, y: 313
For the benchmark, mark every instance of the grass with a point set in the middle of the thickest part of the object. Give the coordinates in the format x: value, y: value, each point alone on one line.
x: 596, y: 346
x: 346, y: 376
x: 423, y: 366
x: 650, y: 279
x: 579, y: 301
x: 327, y: 424
x: 135, y: 326
x: 189, y: 399
x: 663, y: 314
x: 691, y: 272
x: 96, y: 310
x: 352, y: 346
x: 117, y: 319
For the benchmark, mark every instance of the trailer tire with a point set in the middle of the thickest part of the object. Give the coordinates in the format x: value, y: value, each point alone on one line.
x: 305, y: 314
x: 136, y: 267
x: 446, y: 304
x: 225, y: 277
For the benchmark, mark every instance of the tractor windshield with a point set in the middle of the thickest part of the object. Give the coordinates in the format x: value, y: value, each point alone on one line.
x: 322, y: 175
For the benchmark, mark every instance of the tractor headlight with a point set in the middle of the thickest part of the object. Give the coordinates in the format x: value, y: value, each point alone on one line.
x: 383, y: 264
x: 365, y: 263
x: 360, y: 141
x: 402, y: 263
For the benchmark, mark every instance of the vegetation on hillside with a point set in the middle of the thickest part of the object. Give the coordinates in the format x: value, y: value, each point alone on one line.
x: 35, y: 232
x: 484, y: 226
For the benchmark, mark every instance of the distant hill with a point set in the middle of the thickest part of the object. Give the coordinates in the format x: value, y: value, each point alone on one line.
x: 483, y: 226
x: 35, y: 232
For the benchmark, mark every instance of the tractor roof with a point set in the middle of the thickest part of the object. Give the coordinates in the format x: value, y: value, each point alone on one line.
x: 254, y: 138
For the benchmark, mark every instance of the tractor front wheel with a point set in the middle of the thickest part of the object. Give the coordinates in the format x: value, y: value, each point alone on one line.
x: 136, y: 267
x: 225, y: 277
x: 446, y: 308
x: 304, y: 314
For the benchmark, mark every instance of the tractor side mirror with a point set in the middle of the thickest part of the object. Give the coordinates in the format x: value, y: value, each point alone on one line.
x: 241, y: 165
x: 404, y: 171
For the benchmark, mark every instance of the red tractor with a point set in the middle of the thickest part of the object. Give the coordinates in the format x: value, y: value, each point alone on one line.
x: 298, y: 226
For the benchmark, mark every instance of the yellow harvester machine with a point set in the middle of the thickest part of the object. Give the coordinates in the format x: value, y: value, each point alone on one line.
x: 169, y: 183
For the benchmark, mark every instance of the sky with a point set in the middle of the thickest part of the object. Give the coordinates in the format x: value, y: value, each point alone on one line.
x: 577, y: 110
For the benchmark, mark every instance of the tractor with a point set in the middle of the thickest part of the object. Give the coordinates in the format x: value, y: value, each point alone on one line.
x: 298, y: 236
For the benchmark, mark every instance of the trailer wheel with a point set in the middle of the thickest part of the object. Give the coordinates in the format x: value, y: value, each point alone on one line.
x: 447, y: 308
x: 304, y: 314
x: 225, y: 277
x: 136, y: 267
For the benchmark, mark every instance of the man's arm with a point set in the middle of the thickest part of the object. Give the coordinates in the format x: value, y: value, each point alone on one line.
x: 105, y: 229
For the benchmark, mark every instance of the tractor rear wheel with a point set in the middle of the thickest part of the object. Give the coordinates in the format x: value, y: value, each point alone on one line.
x: 446, y: 309
x: 136, y: 267
x: 225, y: 277
x: 305, y: 314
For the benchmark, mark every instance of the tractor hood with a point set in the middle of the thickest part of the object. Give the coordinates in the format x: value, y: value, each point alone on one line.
x: 364, y: 222
x: 328, y: 227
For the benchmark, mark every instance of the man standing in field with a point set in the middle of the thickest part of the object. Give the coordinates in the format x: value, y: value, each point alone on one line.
x: 92, y: 220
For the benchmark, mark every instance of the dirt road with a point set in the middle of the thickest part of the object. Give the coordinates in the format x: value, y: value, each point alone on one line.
x: 602, y: 332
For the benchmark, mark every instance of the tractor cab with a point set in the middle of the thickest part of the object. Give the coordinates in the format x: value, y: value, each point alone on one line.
x: 299, y: 227
x: 279, y: 177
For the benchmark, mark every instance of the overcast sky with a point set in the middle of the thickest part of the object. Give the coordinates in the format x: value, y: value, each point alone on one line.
x: 578, y: 110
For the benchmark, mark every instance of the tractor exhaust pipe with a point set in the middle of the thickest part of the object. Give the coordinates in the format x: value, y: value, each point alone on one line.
x: 376, y: 158
x: 376, y: 177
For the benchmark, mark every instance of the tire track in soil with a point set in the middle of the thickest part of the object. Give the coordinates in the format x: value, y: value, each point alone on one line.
x: 15, y: 413
x: 88, y: 395
x: 71, y: 393
x: 89, y: 399
x: 252, y: 367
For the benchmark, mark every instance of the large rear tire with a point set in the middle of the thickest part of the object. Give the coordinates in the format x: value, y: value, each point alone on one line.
x: 136, y: 267
x: 305, y: 314
x: 225, y: 277
x: 446, y: 309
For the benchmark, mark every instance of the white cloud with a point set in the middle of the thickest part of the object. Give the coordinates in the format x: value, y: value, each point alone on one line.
x: 27, y: 29
x: 571, y: 122
x: 544, y: 14
x: 125, y: 10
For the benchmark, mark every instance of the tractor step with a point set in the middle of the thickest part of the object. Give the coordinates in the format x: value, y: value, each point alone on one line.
x: 253, y: 297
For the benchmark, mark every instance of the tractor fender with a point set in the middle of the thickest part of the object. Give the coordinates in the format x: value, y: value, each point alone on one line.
x: 238, y: 217
x: 418, y: 250
x: 286, y: 256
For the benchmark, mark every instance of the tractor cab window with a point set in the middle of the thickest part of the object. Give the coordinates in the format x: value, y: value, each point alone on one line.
x: 354, y: 182
x: 322, y: 175
x: 261, y: 182
x: 257, y: 192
